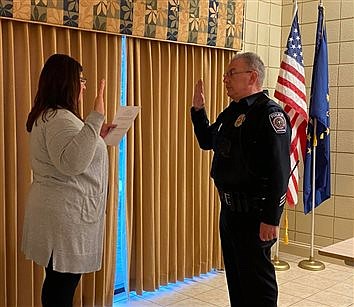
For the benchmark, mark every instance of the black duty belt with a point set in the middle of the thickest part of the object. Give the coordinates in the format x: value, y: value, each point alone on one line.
x: 240, y: 202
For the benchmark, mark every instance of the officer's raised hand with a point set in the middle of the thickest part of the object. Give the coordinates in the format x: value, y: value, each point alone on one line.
x: 198, y: 98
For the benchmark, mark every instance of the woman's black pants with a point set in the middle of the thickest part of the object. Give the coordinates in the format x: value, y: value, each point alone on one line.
x: 58, y: 288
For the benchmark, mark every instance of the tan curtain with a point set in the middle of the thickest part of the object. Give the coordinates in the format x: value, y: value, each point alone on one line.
x: 24, y: 49
x: 172, y: 205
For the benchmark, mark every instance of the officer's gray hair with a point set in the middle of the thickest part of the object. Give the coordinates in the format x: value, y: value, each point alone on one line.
x: 254, y: 62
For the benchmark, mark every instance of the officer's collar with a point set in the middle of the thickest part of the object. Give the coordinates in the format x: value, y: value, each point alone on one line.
x: 250, y: 100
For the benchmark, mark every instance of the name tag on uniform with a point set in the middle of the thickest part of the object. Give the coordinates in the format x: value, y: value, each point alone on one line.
x: 278, y: 122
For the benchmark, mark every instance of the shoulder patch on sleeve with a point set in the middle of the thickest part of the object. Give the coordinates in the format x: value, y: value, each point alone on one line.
x: 278, y: 122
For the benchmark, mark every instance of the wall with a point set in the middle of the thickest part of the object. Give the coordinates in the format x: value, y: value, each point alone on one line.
x: 267, y: 26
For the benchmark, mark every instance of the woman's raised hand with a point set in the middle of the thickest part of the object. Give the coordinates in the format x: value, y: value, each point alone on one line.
x: 99, y: 102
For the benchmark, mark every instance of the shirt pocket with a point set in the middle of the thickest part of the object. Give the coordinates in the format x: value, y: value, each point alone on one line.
x: 87, y: 209
x: 92, y: 208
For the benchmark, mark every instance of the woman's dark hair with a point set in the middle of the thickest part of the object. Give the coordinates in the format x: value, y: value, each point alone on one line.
x: 58, y: 88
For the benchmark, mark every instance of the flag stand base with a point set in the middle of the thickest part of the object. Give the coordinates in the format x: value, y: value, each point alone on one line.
x: 311, y: 265
x: 280, y: 265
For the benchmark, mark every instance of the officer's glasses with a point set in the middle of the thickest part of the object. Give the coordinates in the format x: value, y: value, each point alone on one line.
x: 232, y: 72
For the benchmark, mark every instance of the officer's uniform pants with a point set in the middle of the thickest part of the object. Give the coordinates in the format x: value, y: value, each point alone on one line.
x: 249, y: 271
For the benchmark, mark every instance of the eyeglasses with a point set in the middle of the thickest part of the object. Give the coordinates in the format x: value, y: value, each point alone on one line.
x: 232, y: 72
x: 83, y: 80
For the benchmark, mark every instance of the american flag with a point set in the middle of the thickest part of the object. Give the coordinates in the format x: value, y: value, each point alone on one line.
x: 290, y: 90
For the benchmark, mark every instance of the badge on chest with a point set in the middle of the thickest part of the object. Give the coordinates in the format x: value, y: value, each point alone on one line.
x: 239, y: 120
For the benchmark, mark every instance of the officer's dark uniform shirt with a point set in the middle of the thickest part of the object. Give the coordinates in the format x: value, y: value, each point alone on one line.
x: 251, y: 144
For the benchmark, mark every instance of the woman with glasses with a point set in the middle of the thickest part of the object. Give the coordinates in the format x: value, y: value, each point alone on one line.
x: 64, y: 219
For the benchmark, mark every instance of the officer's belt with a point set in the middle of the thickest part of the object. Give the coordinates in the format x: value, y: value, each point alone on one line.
x: 240, y: 202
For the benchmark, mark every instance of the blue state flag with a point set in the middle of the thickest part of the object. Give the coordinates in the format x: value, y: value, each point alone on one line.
x: 318, y: 144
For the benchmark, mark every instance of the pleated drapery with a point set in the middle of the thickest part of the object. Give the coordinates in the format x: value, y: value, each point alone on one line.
x: 172, y: 205
x: 24, y: 49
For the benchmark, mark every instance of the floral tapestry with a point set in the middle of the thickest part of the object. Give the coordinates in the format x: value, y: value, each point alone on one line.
x: 217, y: 23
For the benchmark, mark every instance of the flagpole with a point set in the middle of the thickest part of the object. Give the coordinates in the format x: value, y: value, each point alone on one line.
x: 279, y: 265
x: 311, y: 264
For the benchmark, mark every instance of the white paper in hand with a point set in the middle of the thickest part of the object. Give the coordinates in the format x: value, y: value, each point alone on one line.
x: 123, y: 119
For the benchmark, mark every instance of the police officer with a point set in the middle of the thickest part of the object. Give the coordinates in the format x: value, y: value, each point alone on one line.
x: 250, y: 168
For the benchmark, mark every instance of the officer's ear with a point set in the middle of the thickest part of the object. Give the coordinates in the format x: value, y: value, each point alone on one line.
x: 253, y: 77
